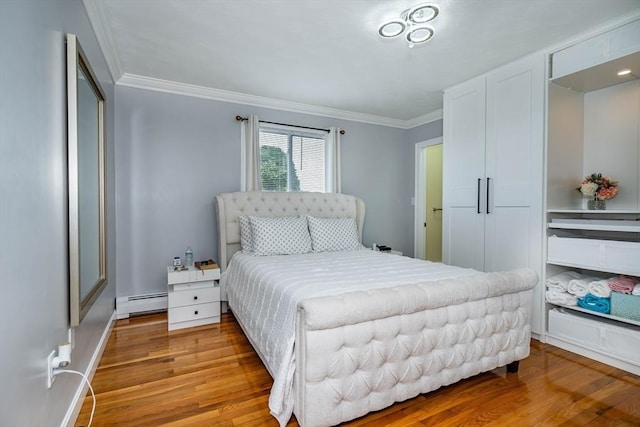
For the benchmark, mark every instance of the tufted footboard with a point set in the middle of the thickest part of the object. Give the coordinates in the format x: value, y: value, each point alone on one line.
x: 363, y: 351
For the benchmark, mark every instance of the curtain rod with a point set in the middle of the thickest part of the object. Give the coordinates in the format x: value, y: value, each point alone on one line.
x: 242, y: 119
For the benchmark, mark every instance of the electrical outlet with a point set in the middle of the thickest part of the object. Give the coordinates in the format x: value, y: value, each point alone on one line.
x: 50, y: 376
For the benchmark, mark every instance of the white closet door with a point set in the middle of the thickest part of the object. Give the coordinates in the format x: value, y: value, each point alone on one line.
x: 514, y: 150
x: 463, y: 175
x: 515, y: 126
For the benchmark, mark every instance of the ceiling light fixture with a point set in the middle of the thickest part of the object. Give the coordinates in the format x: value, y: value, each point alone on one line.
x: 412, y: 20
x: 624, y: 72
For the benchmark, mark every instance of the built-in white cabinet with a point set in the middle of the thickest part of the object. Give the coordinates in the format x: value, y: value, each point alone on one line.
x: 492, y: 171
x: 594, y: 127
x: 604, y: 48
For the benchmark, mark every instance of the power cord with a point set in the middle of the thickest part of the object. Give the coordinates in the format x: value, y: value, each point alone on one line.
x: 69, y: 371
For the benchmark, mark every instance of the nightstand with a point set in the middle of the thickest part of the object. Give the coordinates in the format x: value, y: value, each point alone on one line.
x: 194, y: 297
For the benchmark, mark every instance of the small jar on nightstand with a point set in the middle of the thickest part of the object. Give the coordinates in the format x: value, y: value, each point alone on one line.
x: 194, y: 297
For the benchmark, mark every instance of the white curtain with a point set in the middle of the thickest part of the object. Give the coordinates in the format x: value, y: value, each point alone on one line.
x: 250, y: 154
x: 332, y: 177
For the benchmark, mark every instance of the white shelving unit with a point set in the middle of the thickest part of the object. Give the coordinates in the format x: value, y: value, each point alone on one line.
x: 592, y: 127
x: 586, y: 237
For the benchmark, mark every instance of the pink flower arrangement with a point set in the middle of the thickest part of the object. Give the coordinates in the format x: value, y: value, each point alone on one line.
x: 598, y: 187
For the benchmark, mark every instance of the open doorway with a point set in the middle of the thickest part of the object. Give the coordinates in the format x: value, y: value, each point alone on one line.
x: 428, y: 200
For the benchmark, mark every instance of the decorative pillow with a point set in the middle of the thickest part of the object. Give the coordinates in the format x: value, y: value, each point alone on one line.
x: 280, y: 235
x: 333, y: 234
x: 246, y: 239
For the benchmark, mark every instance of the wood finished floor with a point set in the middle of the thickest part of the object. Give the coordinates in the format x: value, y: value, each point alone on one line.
x: 210, y: 376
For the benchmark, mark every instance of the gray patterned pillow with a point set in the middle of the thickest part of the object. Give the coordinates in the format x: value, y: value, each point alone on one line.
x: 280, y: 235
x: 246, y: 239
x: 333, y: 234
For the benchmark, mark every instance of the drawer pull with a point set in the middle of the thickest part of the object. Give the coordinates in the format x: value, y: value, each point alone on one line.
x: 195, y: 297
x: 196, y: 312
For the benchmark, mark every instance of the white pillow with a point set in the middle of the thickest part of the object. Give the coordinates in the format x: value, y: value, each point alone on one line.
x: 246, y: 239
x: 333, y: 234
x: 280, y: 235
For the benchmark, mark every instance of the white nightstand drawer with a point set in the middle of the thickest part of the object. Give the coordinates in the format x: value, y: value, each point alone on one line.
x: 179, y: 287
x: 193, y: 312
x: 194, y: 296
x: 191, y: 275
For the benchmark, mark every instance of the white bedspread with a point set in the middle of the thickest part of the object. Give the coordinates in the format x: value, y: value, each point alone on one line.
x: 264, y: 293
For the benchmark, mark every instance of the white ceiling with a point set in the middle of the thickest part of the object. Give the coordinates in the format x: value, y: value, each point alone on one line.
x: 324, y: 56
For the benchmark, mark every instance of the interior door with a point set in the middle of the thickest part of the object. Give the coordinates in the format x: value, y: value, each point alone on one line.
x: 433, y: 208
x: 463, y: 175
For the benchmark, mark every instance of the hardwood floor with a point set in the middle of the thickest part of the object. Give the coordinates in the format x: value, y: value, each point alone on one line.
x: 210, y: 376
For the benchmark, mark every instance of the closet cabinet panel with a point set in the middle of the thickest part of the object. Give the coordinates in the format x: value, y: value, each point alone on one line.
x: 509, y: 245
x: 464, y: 122
x: 464, y: 231
x: 463, y: 183
x: 599, y: 49
x: 514, y: 132
x: 514, y: 159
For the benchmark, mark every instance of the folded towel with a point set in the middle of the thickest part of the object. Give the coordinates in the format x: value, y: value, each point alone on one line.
x: 559, y: 282
x: 592, y: 302
x: 636, y: 290
x: 623, y: 284
x: 580, y: 287
x: 600, y: 288
x: 562, y: 298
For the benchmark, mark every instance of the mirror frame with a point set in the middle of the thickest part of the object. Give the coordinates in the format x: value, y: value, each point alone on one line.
x: 79, y: 305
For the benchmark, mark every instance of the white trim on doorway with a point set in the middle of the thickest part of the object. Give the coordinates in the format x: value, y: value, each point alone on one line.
x: 420, y: 187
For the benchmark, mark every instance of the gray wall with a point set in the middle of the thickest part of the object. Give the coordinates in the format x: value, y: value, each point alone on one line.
x: 34, y: 311
x: 175, y: 153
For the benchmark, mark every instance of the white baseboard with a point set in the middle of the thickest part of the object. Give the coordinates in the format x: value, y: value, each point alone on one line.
x: 125, y: 306
x: 76, y: 404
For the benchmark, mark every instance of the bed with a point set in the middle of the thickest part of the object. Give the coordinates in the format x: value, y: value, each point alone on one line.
x: 344, y: 333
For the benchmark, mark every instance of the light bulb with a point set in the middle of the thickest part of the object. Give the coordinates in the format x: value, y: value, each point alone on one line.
x: 624, y: 72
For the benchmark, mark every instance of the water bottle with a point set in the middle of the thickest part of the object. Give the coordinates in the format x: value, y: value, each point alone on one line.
x: 188, y: 257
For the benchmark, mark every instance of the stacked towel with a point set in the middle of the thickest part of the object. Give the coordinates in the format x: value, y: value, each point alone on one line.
x: 560, y: 282
x: 623, y: 284
x: 580, y: 287
x: 559, y: 297
x: 600, y: 288
x: 592, y: 302
x: 636, y: 290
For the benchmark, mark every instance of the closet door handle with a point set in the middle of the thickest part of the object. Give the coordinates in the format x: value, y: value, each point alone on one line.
x: 478, y: 195
x: 488, y: 179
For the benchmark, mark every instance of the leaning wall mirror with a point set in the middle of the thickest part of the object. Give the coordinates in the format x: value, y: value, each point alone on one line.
x: 86, y: 168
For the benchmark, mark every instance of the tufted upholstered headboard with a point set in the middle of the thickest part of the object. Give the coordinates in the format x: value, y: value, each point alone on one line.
x: 229, y: 206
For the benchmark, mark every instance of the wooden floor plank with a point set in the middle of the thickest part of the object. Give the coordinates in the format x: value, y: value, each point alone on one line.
x: 210, y: 376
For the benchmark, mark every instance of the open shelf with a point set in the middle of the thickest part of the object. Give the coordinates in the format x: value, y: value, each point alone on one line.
x: 594, y: 212
x: 596, y: 225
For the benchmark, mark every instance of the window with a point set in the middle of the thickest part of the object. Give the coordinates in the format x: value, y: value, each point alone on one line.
x: 278, y: 157
x: 292, y: 160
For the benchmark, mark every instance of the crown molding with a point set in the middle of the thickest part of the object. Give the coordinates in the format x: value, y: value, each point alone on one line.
x: 97, y: 17
x: 423, y: 119
x: 159, y: 85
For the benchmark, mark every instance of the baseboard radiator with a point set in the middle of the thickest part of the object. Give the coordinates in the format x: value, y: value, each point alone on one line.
x: 140, y: 304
